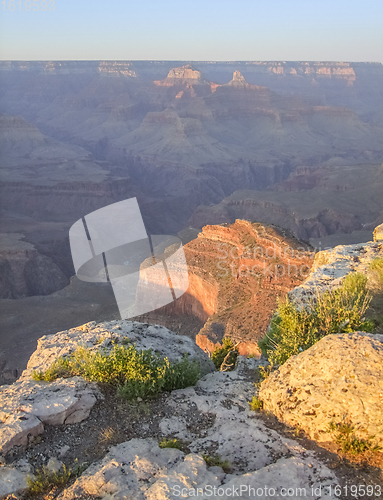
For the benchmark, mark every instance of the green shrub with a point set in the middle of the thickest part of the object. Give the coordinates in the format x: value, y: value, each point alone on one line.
x: 216, y: 461
x: 45, y: 480
x: 294, y: 329
x: 39, y: 376
x: 135, y: 373
x: 349, y: 443
x: 256, y: 404
x: 171, y: 443
x: 227, y: 355
x: 180, y: 374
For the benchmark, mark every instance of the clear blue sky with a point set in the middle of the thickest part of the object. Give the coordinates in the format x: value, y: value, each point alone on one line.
x: 332, y: 30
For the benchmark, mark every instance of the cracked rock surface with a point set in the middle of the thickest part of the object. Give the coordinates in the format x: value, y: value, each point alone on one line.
x: 26, y: 405
x: 340, y: 377
x: 258, y: 456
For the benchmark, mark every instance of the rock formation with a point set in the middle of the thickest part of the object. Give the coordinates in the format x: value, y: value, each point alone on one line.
x: 236, y: 274
x: 378, y: 233
x: 257, y: 455
x: 182, y: 75
x: 100, y: 336
x: 24, y: 271
x: 239, y: 82
x: 315, y: 203
x: 339, y: 380
x: 331, y: 266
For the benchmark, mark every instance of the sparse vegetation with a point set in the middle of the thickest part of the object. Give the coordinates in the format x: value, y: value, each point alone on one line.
x: 375, y: 282
x: 108, y: 435
x: 216, y: 461
x: 225, y: 357
x: 349, y: 443
x: 135, y: 373
x: 171, y: 443
x: 265, y: 371
x: 295, y: 328
x: 45, y: 480
x: 255, y: 404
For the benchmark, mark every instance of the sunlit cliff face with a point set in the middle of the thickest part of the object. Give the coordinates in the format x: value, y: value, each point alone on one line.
x: 237, y: 273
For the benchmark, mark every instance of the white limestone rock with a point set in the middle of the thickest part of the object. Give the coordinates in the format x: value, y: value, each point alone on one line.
x: 340, y: 377
x: 27, y: 404
x: 13, y: 480
x: 236, y: 435
x: 289, y: 477
x: 102, y: 335
x: 331, y: 266
x: 18, y: 429
x: 140, y: 470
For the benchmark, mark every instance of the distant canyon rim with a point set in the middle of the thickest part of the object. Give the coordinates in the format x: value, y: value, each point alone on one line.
x: 298, y: 145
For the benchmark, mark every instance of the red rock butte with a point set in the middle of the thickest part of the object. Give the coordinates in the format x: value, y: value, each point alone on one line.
x: 237, y: 272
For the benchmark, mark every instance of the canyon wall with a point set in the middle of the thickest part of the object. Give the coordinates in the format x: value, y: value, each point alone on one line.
x: 236, y: 274
x: 24, y: 271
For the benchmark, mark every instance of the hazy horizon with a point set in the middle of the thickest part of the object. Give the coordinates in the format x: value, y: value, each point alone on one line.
x: 191, y: 61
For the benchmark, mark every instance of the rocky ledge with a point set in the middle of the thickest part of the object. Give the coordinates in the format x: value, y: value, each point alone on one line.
x: 212, y: 417
x: 331, y: 266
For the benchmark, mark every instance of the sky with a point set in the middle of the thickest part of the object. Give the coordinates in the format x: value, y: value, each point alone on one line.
x: 193, y: 30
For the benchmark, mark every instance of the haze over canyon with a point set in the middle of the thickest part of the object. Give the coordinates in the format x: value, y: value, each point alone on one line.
x: 294, y: 144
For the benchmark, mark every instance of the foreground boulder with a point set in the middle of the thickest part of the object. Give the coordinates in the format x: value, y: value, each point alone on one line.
x: 338, y: 379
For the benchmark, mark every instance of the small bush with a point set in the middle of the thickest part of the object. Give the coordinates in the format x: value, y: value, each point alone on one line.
x: 45, y: 480
x: 265, y: 372
x: 39, y: 376
x: 181, y: 374
x: 294, y: 329
x: 349, y: 443
x: 135, y: 373
x: 216, y: 461
x: 225, y: 357
x: 109, y: 435
x: 256, y: 404
x: 171, y: 443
